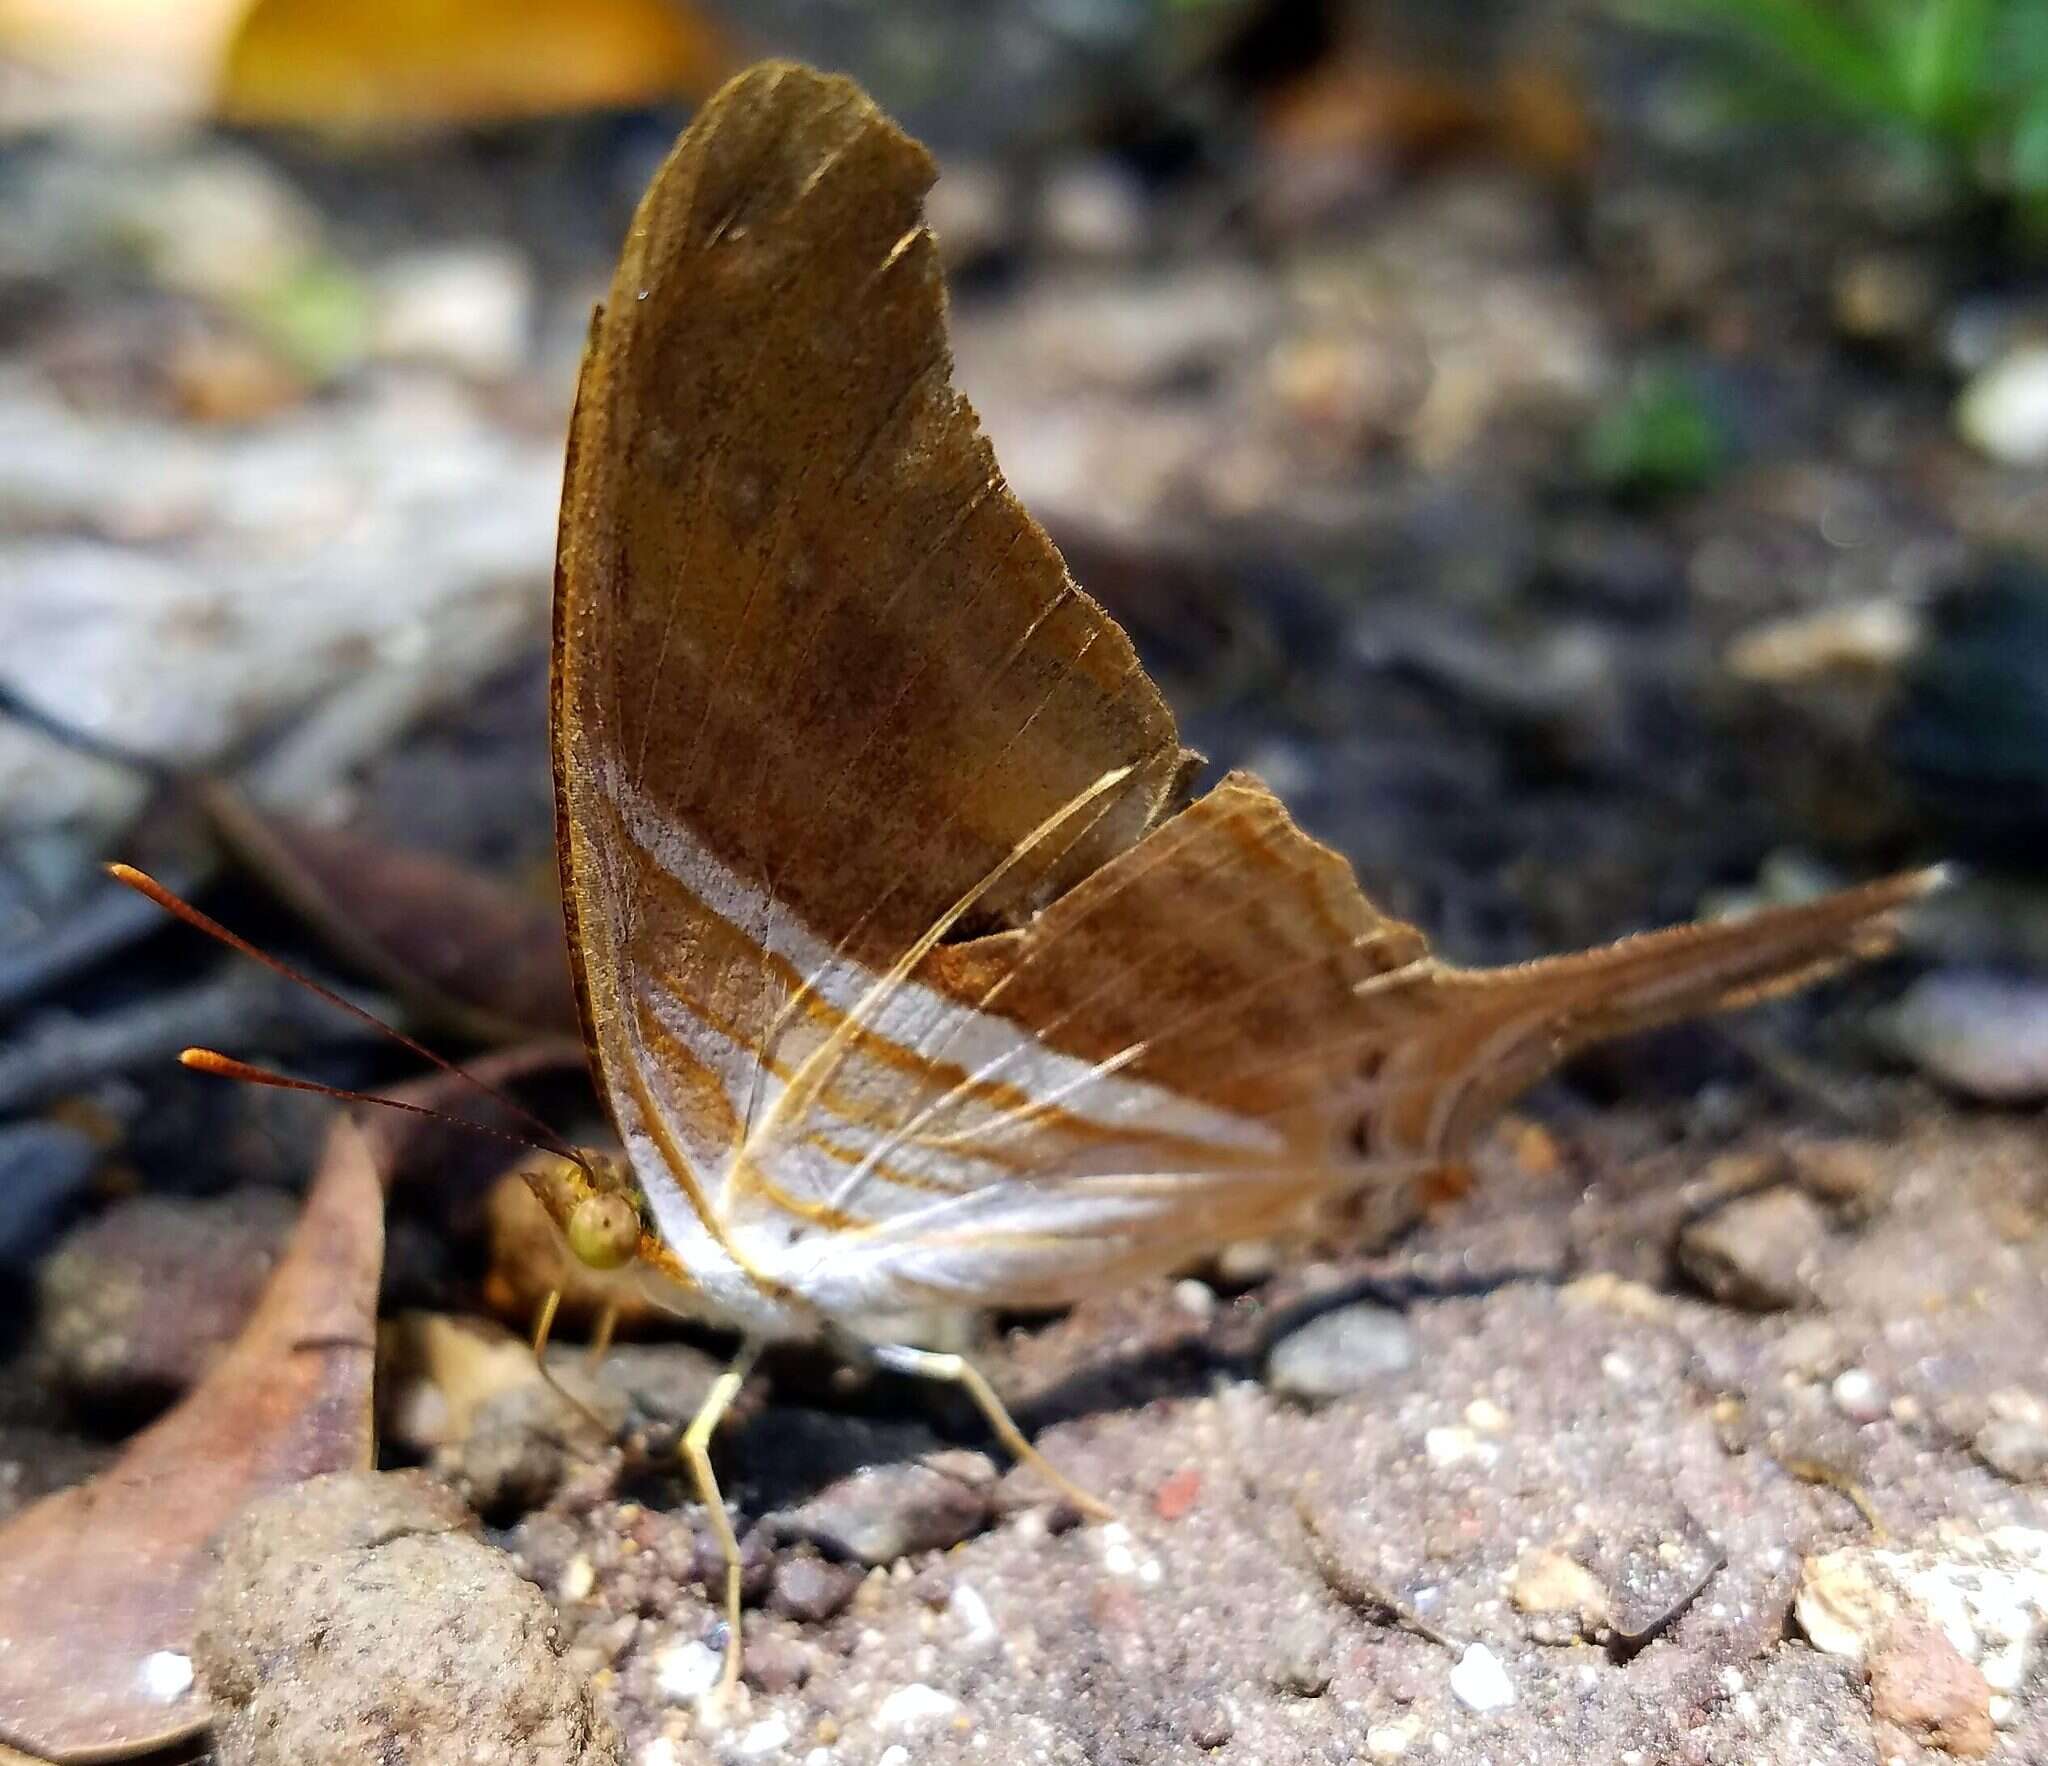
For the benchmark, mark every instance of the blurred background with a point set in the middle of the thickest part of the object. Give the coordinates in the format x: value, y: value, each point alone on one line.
x: 1589, y: 457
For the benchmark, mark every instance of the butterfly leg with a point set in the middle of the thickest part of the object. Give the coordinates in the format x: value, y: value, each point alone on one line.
x: 930, y: 1364
x: 601, y: 1338
x: 697, y: 1456
x: 543, y: 1328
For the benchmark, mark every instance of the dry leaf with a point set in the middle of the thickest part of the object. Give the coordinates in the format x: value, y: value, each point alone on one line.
x: 99, y: 1584
x: 366, y: 65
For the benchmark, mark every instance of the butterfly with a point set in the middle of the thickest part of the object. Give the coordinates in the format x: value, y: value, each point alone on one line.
x: 914, y: 971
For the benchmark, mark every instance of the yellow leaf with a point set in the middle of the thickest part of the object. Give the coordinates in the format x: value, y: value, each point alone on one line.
x: 367, y: 65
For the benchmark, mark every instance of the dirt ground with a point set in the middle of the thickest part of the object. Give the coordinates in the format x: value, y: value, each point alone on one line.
x: 1550, y: 1479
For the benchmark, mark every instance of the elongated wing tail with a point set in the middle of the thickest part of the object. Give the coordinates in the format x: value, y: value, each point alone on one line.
x: 1483, y: 1036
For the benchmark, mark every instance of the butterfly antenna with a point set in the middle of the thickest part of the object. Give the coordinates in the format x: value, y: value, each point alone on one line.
x: 227, y: 1067
x: 207, y: 1061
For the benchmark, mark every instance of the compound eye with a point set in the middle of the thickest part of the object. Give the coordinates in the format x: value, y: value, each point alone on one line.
x: 604, y: 1231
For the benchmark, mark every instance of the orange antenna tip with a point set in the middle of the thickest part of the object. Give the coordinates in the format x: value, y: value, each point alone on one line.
x: 208, y: 1061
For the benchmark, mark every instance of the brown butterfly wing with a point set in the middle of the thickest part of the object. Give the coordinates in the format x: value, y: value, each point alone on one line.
x: 807, y: 642
x: 820, y: 682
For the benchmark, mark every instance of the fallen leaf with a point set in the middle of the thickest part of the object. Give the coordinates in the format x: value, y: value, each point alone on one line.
x: 102, y: 1670
x: 365, y: 65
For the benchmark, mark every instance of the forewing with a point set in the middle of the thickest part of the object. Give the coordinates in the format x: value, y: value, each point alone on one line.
x: 817, y: 673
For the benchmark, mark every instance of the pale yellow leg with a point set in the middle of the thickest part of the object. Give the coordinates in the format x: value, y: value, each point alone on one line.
x: 543, y: 1328
x: 601, y: 1338
x: 697, y: 1456
x: 930, y: 1364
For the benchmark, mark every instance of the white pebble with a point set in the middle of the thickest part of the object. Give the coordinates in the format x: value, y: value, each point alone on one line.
x: 1479, y: 1682
x: 898, y: 1755
x: 659, y: 1752
x: 1450, y: 1446
x: 765, y: 1737
x: 686, y: 1670
x: 972, y: 1612
x: 1617, y: 1367
x: 1486, y: 1416
x: 913, y: 1706
x: 2002, y: 1710
x: 1858, y: 1396
x: 1117, y: 1556
x: 1196, y: 1299
x: 2003, y: 412
x: 1389, y: 1741
x: 578, y: 1579
x: 166, y: 1675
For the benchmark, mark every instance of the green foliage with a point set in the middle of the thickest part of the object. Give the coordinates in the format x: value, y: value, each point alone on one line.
x: 1964, y: 80
x: 1656, y: 437
x: 318, y: 317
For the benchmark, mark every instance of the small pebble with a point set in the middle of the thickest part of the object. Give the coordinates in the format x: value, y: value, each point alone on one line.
x: 1758, y: 1252
x: 1486, y: 1416
x: 1858, y: 1396
x: 1341, y: 1352
x: 915, y: 1706
x: 1178, y: 1493
x: 1196, y: 1299
x: 776, y: 1664
x: 768, y: 1736
x: 2015, y: 1447
x: 1479, y: 1682
x: 1214, y: 1726
x: 577, y: 1580
x: 1389, y: 1741
x: 1842, y: 1173
x: 808, y: 1588
x: 2003, y: 411
x: 1984, y: 1035
x: 887, y: 1512
x: 166, y: 1674
x: 1302, y: 1656
x: 977, y: 1623
x: 1244, y: 1262
x: 686, y: 1671
x: 1920, y: 1681
x: 1549, y: 1581
x: 1452, y: 1445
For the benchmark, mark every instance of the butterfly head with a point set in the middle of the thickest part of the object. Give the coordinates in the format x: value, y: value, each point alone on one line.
x: 596, y: 1206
